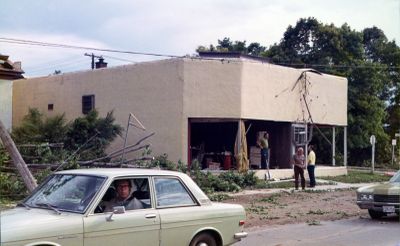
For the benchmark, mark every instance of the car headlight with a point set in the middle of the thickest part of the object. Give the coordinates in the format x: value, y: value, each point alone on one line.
x: 366, y: 197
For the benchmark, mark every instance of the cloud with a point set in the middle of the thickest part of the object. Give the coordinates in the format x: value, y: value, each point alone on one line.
x: 174, y: 27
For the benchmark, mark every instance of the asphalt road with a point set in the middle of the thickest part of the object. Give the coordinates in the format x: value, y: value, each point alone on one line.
x: 359, y: 231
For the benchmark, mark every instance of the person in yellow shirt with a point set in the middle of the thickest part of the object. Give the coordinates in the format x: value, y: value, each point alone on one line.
x: 263, y: 144
x: 311, y: 165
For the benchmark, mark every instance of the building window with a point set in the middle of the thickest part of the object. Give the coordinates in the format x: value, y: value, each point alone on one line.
x: 87, y: 103
x: 50, y: 107
x: 299, y: 134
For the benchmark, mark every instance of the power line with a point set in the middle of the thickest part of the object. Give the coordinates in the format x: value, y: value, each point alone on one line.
x: 64, y: 62
x: 45, y: 44
x: 120, y: 59
x: 30, y: 42
x: 303, y: 65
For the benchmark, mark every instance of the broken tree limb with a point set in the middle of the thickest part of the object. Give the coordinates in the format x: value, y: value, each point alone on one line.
x: 119, y: 151
x: 16, y: 157
x: 114, y: 155
x: 76, y: 151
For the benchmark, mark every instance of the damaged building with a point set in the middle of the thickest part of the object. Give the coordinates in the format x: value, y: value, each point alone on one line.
x: 9, y: 71
x: 209, y: 108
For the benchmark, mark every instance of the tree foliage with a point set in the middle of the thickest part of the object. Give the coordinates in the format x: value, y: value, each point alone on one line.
x: 103, y: 131
x: 40, y: 131
x: 367, y: 59
x: 226, y: 45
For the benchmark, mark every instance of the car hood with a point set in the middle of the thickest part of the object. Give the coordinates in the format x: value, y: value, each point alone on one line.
x: 382, y: 189
x: 24, y: 224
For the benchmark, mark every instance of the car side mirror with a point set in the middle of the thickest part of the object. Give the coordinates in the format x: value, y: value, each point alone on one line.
x: 117, y: 210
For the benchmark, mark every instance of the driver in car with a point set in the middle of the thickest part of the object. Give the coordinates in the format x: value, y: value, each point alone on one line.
x: 124, y: 197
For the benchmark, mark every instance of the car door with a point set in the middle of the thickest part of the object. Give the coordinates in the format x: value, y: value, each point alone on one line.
x: 180, y: 214
x: 126, y: 228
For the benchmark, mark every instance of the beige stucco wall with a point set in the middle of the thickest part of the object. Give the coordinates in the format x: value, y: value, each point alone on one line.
x: 151, y: 91
x: 270, y: 92
x: 164, y: 94
x: 212, y: 89
x: 6, y: 103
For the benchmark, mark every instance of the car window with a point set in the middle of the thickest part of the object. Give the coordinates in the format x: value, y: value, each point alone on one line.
x: 171, y: 192
x: 132, y: 193
x: 66, y: 192
x: 396, y: 178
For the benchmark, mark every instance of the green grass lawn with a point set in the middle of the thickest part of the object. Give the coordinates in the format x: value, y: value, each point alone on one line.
x: 354, y: 177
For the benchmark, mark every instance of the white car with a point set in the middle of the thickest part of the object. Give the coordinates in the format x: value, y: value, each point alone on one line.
x: 69, y: 209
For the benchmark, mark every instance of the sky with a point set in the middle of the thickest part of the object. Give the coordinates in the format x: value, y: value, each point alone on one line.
x: 169, y: 27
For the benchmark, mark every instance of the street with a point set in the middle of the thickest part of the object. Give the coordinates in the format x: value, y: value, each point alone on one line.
x: 357, y: 231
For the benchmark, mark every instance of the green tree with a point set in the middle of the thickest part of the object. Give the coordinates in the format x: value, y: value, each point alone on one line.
x: 36, y: 129
x: 226, y: 45
x: 102, y: 131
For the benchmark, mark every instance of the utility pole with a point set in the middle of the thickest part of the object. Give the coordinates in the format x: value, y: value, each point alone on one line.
x: 397, y: 135
x: 93, y: 56
x: 17, y: 160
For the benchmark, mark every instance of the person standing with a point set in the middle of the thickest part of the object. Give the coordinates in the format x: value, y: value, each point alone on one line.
x: 311, y: 165
x: 299, y: 165
x: 263, y: 144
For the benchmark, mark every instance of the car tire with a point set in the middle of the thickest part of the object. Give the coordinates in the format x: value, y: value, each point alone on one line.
x: 203, y: 239
x: 375, y: 214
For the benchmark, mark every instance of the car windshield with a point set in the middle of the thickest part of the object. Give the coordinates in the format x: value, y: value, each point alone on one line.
x: 66, y: 192
x: 396, y: 178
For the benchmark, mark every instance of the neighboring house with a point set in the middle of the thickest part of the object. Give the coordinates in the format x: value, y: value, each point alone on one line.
x: 9, y: 71
x: 195, y: 105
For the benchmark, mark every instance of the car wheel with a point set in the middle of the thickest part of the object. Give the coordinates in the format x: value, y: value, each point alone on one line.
x: 375, y: 214
x: 203, y: 239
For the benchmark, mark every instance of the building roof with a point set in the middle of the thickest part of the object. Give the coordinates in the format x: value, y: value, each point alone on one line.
x: 10, y: 70
x: 232, y: 55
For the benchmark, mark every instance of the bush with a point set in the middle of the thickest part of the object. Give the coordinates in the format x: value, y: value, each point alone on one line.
x: 39, y: 132
x: 163, y: 163
x: 225, y: 182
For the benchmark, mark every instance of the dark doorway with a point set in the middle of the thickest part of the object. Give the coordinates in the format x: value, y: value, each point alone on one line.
x: 279, y: 142
x: 212, y: 142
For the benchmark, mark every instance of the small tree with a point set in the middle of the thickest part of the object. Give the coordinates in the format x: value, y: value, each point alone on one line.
x: 35, y: 129
x: 103, y: 131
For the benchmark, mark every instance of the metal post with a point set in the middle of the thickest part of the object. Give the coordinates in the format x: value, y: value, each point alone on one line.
x: 393, y: 145
x: 345, y: 146
x: 126, y: 137
x: 372, y: 140
x: 333, y: 146
x: 397, y: 135
x: 306, y: 147
x: 392, y: 154
x: 373, y: 158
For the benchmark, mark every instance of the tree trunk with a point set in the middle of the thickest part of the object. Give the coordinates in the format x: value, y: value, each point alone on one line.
x: 16, y: 157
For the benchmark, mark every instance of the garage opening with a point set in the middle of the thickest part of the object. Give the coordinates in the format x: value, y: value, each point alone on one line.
x: 212, y: 143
